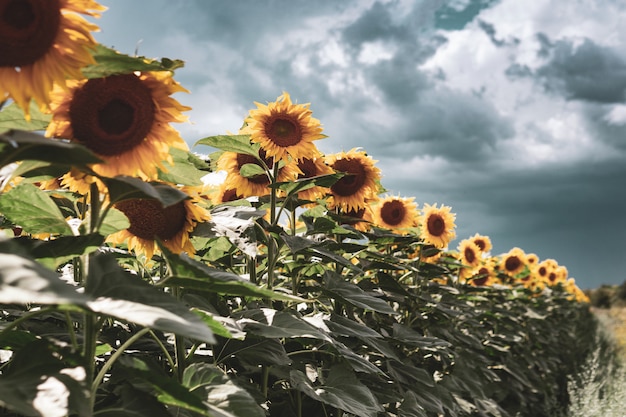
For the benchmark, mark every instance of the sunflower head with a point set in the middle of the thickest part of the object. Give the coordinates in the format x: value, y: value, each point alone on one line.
x: 361, y: 219
x: 470, y: 253
x: 360, y: 183
x: 124, y: 119
x: 483, y: 242
x: 396, y: 213
x: 43, y: 43
x: 513, y: 262
x: 284, y: 129
x: 437, y: 225
x: 483, y: 275
x: 309, y: 168
x: 151, y: 221
x: 546, y: 270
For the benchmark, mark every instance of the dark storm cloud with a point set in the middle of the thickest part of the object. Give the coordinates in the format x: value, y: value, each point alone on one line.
x: 587, y: 71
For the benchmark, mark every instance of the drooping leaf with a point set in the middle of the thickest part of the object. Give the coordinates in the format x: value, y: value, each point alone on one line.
x: 189, y: 273
x: 114, y: 221
x: 110, y: 62
x: 257, y: 351
x: 33, y: 210
x: 297, y: 243
x: 406, y: 335
x: 121, y: 294
x: 21, y: 146
x: 24, y: 281
x: 124, y: 187
x: 230, y: 143
x: 410, y: 406
x: 269, y: 323
x: 341, y: 325
x: 57, y: 251
x: 221, y: 396
x: 348, y: 292
x: 184, y: 169
x: 12, y: 118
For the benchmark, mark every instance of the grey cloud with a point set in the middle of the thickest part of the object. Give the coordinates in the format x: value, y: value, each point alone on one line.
x: 585, y: 72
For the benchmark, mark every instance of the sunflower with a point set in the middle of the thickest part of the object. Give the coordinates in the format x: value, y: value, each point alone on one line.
x: 124, y: 119
x: 150, y: 221
x: 43, y: 43
x: 513, y: 262
x: 545, y: 269
x: 257, y: 185
x: 437, y: 225
x: 361, y: 219
x: 396, y: 213
x: 470, y: 252
x: 360, y: 182
x: 484, y: 275
x: 483, y: 242
x: 224, y: 194
x: 283, y: 128
x: 309, y: 168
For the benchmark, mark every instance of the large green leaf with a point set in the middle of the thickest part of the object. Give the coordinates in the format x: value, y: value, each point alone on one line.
x: 341, y: 390
x: 33, y: 210
x: 114, y: 221
x: 24, y: 281
x: 340, y: 325
x: 410, y: 406
x: 189, y: 273
x: 120, y: 294
x: 22, y: 146
x: 38, y: 383
x: 230, y: 143
x: 55, y: 252
x: 124, y: 187
x: 110, y: 62
x: 221, y: 396
x: 336, y: 286
x: 12, y: 118
x: 266, y: 322
x: 184, y: 169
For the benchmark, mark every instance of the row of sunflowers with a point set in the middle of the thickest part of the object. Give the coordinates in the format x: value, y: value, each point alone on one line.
x: 133, y: 283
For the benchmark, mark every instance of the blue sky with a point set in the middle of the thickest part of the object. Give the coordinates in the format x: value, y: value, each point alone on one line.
x: 513, y: 113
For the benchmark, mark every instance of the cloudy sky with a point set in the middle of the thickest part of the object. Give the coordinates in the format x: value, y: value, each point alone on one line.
x: 511, y: 112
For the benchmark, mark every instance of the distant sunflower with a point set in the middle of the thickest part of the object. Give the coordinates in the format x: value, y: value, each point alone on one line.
x: 532, y: 260
x: 360, y: 182
x: 483, y: 242
x: 513, y: 262
x: 150, y: 221
x: 43, y: 43
x: 483, y: 275
x: 124, y: 119
x: 283, y: 128
x: 309, y: 168
x: 470, y: 252
x: 437, y: 225
x: 224, y: 194
x: 396, y: 213
x: 257, y: 185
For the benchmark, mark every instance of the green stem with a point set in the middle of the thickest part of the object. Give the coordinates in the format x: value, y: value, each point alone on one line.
x: 168, y: 357
x: 179, y: 344
x: 119, y: 352
x: 252, y: 269
x: 298, y: 404
x: 266, y: 377
x: 70, y: 329
x: 25, y: 317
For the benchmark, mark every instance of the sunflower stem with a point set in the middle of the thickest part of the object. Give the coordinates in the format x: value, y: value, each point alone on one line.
x: 271, y: 243
x: 252, y: 269
x: 179, y: 343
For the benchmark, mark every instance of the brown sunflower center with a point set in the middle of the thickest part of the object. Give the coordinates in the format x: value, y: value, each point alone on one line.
x: 512, y: 263
x: 351, y: 183
x: 308, y: 168
x: 283, y: 131
x: 552, y: 277
x: 230, y: 194
x: 482, y: 276
x: 149, y: 219
x: 480, y: 243
x: 436, y: 225
x: 393, y: 212
x: 542, y: 271
x: 28, y: 29
x: 112, y: 115
x: 470, y: 255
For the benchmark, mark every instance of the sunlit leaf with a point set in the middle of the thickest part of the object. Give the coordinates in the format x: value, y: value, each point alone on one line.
x: 114, y: 221
x: 12, y: 118
x: 230, y: 143
x: 266, y: 322
x: 121, y: 294
x: 251, y: 170
x: 110, y: 62
x: 353, y: 294
x: 184, y: 169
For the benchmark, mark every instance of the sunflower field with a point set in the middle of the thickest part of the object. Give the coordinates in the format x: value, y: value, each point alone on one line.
x: 141, y: 278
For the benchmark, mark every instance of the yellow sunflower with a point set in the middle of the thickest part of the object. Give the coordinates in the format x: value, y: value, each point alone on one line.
x: 437, y: 225
x: 484, y: 275
x: 513, y: 262
x: 43, y: 43
x: 361, y: 219
x: 360, y: 182
x: 396, y: 213
x: 150, y: 221
x: 546, y: 269
x: 257, y: 185
x: 483, y: 242
x: 309, y: 168
x: 224, y: 194
x: 124, y: 119
x: 532, y: 260
x: 470, y: 252
x: 283, y: 128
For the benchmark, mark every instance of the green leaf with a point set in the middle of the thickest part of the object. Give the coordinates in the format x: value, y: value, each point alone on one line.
x: 33, y: 210
x: 255, y: 352
x: 184, y: 169
x: 118, y: 293
x: 269, y: 323
x: 220, y: 395
x: 230, y: 143
x: 114, y: 221
x: 22, y: 146
x: 348, y: 292
x: 302, y: 184
x: 62, y: 249
x: 341, y: 390
x: 24, y: 281
x: 216, y: 326
x: 110, y: 62
x: 340, y: 325
x: 411, y: 337
x: 189, y: 273
x: 123, y: 187
x: 12, y: 118
x: 251, y: 170
x: 410, y: 406
x: 297, y: 243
